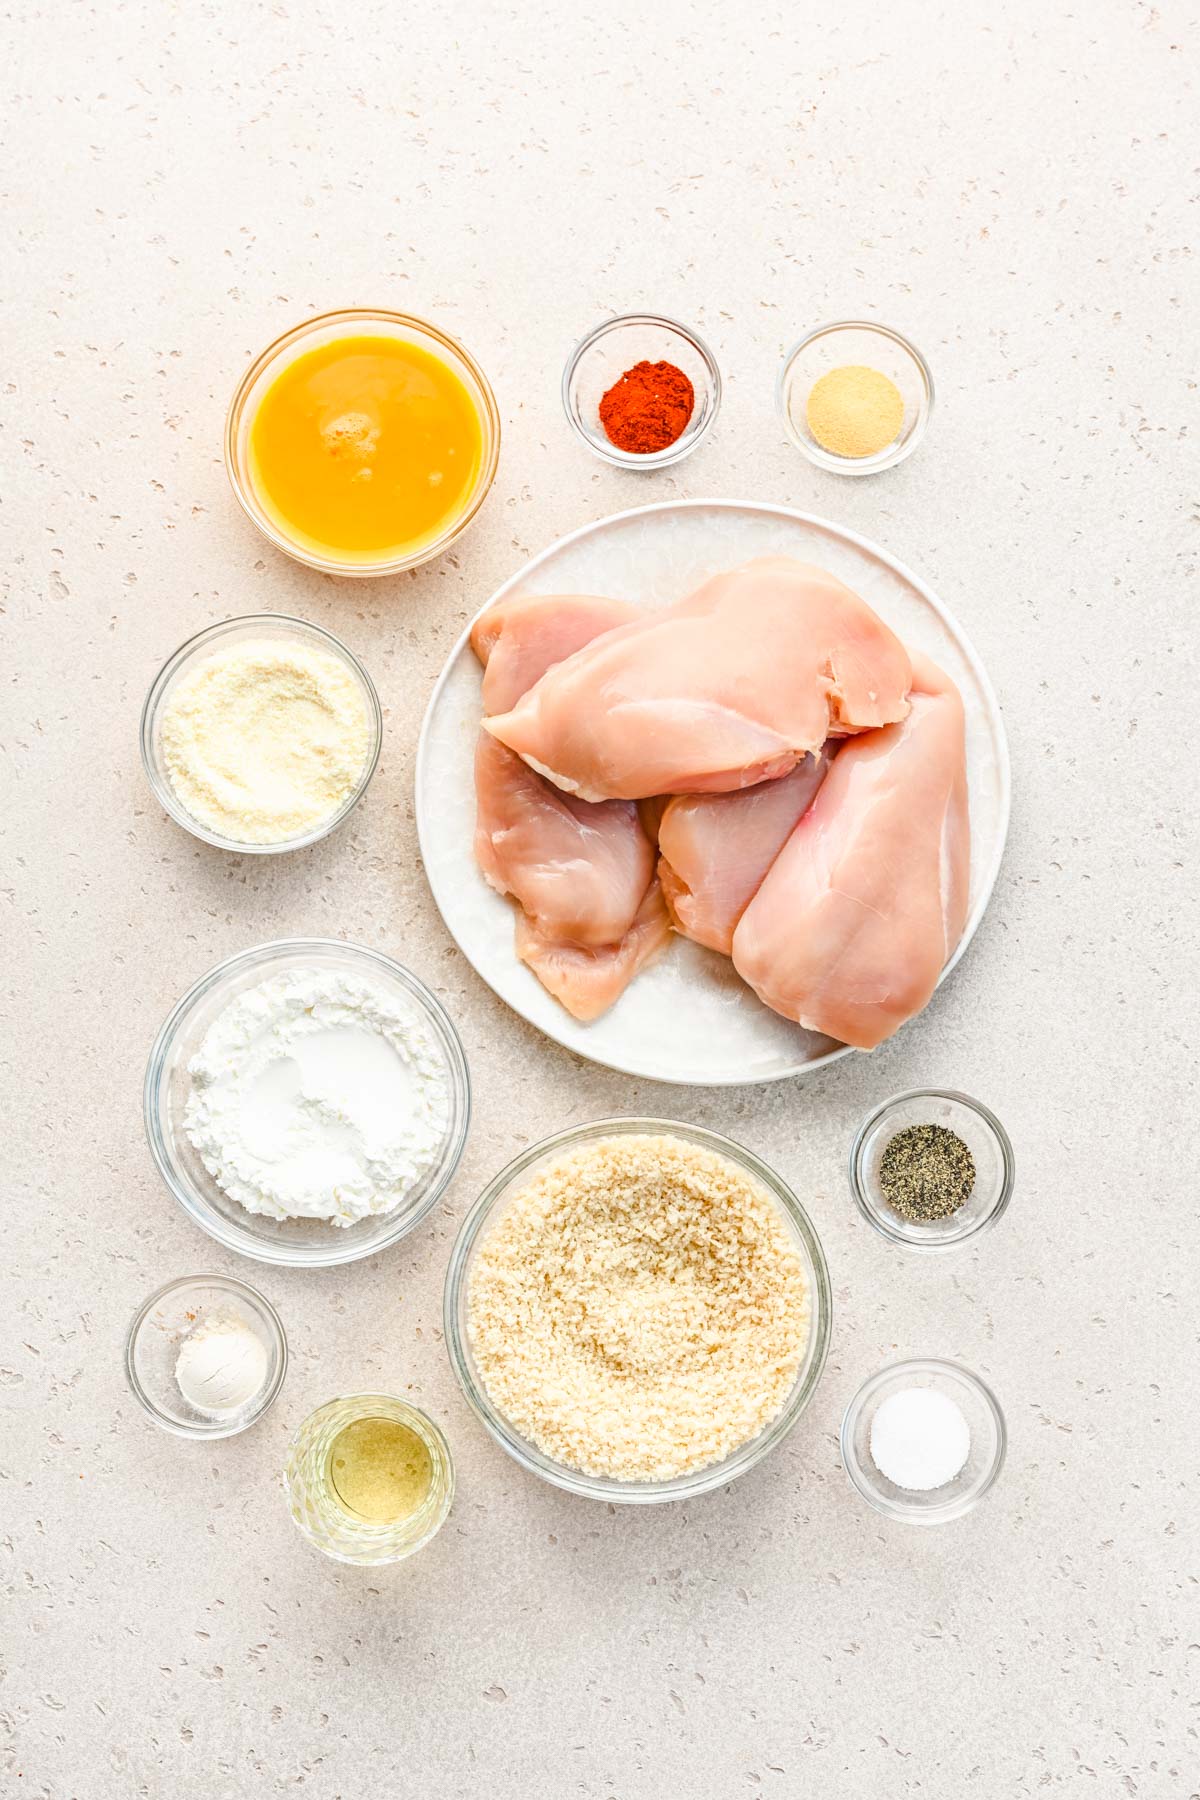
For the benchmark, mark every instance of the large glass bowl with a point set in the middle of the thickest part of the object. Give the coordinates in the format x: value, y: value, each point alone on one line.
x: 252, y: 628
x: 307, y: 336
x: 311, y: 1243
x: 501, y: 1190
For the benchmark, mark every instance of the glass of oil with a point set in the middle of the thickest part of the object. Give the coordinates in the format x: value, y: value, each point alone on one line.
x: 369, y: 1479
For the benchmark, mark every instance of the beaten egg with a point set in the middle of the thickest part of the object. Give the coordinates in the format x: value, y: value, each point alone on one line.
x: 365, y: 448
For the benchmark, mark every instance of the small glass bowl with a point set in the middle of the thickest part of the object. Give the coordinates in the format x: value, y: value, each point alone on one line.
x: 931, y: 1506
x: 253, y: 627
x: 501, y: 1190
x: 982, y: 1133
x: 322, y: 329
x: 603, y: 356
x: 306, y: 1243
x: 876, y: 347
x: 325, y: 1522
x: 152, y: 1348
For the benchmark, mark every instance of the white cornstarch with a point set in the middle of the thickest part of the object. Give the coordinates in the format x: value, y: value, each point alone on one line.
x: 262, y: 741
x: 318, y: 1095
x: 640, y: 1309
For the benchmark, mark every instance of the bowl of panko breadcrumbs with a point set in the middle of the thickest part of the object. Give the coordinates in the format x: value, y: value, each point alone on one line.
x: 638, y: 1310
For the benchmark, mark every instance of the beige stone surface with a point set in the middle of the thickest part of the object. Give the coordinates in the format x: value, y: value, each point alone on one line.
x: 1015, y: 185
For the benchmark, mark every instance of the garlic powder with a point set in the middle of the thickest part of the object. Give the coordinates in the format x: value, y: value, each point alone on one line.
x: 318, y: 1095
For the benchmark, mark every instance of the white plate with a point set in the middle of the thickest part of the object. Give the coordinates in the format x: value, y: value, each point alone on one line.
x: 688, y: 1017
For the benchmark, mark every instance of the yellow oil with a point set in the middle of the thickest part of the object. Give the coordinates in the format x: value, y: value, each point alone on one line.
x: 365, y: 448
x: 380, y: 1470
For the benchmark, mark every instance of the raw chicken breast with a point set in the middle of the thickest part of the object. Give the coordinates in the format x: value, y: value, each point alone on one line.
x: 587, y: 982
x: 581, y: 873
x: 716, y: 849
x: 579, y: 870
x: 650, y: 812
x: 867, y: 899
x: 729, y: 687
x: 519, y: 639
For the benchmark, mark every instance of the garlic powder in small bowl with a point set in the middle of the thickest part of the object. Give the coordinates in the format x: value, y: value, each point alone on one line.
x: 855, y: 397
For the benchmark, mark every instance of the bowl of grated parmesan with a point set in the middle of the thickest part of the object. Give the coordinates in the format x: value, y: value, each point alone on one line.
x: 638, y: 1310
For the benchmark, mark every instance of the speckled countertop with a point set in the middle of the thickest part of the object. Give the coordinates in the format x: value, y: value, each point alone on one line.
x: 1015, y: 186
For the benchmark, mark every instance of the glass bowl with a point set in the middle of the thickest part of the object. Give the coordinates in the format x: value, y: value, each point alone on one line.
x: 306, y: 1243
x: 497, y: 1195
x: 159, y: 1327
x: 982, y: 1133
x: 603, y: 356
x: 931, y: 1506
x: 328, y: 1524
x: 307, y: 336
x: 255, y: 627
x: 855, y: 341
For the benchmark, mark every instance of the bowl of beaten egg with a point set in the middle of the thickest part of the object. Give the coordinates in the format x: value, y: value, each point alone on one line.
x: 362, y: 442
x: 637, y: 1310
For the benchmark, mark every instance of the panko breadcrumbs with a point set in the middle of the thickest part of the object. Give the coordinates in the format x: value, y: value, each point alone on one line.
x: 640, y: 1309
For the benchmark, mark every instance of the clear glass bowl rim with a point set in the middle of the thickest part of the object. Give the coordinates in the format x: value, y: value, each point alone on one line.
x: 875, y: 1218
x: 681, y: 1487
x: 218, y: 1428
x: 841, y: 465
x: 240, y: 1238
x: 351, y: 316
x: 921, y: 1515
x: 683, y: 445
x: 165, y: 794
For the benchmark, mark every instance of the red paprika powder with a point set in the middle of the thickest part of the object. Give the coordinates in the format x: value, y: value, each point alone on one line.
x: 648, y: 408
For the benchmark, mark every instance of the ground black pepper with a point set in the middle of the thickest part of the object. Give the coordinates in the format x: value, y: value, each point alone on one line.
x: 926, y: 1172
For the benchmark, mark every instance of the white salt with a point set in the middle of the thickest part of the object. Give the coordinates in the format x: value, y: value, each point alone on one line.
x: 919, y: 1439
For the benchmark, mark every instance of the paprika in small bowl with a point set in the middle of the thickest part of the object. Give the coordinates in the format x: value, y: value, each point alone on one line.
x: 641, y: 391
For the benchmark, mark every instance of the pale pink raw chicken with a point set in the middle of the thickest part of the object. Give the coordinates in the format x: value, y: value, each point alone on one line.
x: 586, y: 981
x: 518, y: 639
x: 717, y: 848
x: 582, y: 874
x: 578, y: 869
x: 867, y: 900
x: 732, y: 686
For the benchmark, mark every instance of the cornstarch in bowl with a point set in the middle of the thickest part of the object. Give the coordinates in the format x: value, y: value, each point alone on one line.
x: 317, y: 1095
x: 307, y: 1101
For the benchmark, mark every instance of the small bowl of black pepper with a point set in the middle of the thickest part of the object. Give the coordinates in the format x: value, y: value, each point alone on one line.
x: 931, y: 1169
